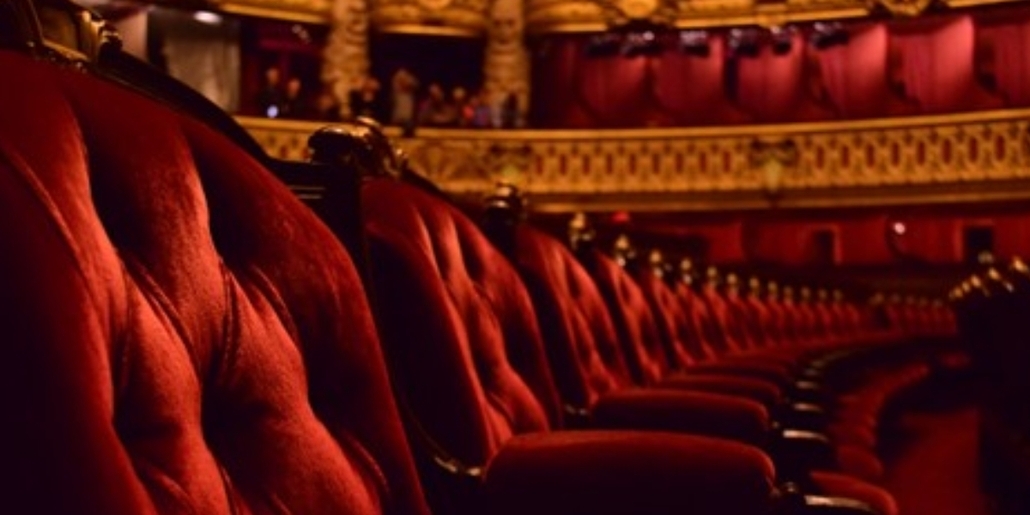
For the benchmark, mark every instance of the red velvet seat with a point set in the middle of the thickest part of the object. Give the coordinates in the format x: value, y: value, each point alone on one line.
x: 694, y: 334
x: 462, y: 331
x: 466, y: 348
x: 180, y: 334
x: 581, y: 339
x: 723, y: 357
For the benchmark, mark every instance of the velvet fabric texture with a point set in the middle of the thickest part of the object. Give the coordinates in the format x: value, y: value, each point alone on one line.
x: 584, y: 351
x: 180, y: 334
x: 632, y: 316
x: 455, y: 316
x: 571, y: 473
x: 589, y: 361
x: 687, y: 350
x: 637, y: 328
x: 461, y: 330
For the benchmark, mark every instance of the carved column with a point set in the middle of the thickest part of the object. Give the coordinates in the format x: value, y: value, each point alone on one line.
x: 345, y: 63
x: 506, y: 66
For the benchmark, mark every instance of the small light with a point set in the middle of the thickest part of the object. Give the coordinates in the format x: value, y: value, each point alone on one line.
x: 301, y: 33
x: 899, y: 228
x: 272, y: 111
x: 208, y: 17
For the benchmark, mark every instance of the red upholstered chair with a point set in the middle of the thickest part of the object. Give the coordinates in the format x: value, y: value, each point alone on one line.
x: 179, y: 333
x: 461, y: 329
x: 722, y: 359
x: 588, y: 362
x: 467, y: 354
x: 633, y: 316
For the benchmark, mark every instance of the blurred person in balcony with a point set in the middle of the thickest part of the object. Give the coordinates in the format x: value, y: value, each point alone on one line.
x: 270, y: 97
x: 436, y: 110
x: 326, y: 108
x: 366, y: 100
x: 403, y: 86
x: 460, y: 101
x: 293, y: 102
x: 509, y: 112
x: 478, y: 112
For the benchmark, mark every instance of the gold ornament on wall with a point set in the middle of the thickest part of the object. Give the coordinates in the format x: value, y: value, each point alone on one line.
x: 434, y: 5
x: 906, y: 7
x: 506, y: 60
x: 345, y: 61
x: 772, y: 160
x: 507, y: 162
x: 464, y: 18
x: 826, y: 164
x: 622, y: 12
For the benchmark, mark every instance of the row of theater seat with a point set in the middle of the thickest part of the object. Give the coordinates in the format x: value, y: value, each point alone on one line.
x: 647, y: 365
x: 991, y: 307
x: 182, y: 335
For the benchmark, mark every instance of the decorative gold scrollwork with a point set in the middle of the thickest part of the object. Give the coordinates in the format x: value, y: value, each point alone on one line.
x: 964, y: 150
x: 468, y: 18
x: 507, y: 161
x: 772, y: 160
x: 906, y: 7
x: 622, y: 12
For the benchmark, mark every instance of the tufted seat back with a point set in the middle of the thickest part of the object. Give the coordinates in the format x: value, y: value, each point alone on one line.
x: 180, y: 334
x: 700, y: 322
x: 684, y: 346
x: 584, y: 352
x: 719, y: 309
x: 458, y: 324
x: 634, y: 322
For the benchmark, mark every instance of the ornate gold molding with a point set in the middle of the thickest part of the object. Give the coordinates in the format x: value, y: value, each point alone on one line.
x: 506, y: 63
x: 345, y: 59
x: 468, y: 18
x: 951, y: 158
x: 305, y: 11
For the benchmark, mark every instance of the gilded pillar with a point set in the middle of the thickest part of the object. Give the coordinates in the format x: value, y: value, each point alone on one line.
x: 345, y: 64
x: 506, y: 63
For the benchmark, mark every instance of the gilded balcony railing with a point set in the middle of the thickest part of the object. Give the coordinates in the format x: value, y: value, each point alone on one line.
x: 964, y: 157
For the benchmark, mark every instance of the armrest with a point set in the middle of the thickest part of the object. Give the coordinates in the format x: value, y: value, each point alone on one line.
x: 826, y: 505
x: 627, y: 472
x: 681, y: 411
x: 803, y: 415
x: 808, y: 390
x: 799, y: 452
x: 839, y: 488
x: 799, y: 504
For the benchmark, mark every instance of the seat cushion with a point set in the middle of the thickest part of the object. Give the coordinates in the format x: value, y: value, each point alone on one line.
x: 616, y: 472
x: 839, y: 485
x: 673, y: 410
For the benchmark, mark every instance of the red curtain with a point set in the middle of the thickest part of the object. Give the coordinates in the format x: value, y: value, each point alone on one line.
x: 613, y: 90
x: 769, y: 85
x: 555, y: 98
x: 1005, y: 47
x: 922, y: 66
x: 936, y: 65
x: 691, y: 89
x: 855, y: 74
x: 1012, y: 235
